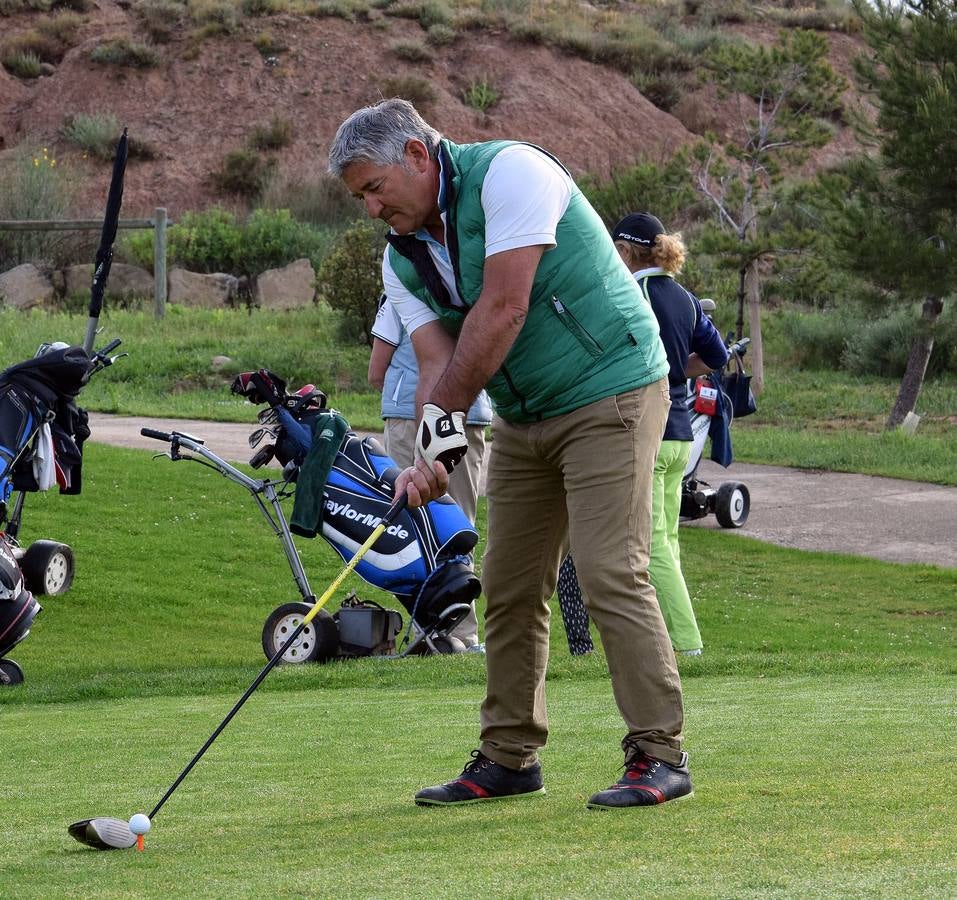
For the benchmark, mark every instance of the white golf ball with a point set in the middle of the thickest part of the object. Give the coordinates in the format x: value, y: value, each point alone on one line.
x: 140, y: 824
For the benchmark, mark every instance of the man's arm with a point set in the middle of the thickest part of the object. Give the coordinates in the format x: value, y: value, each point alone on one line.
x: 382, y: 352
x: 489, y: 331
x: 452, y: 373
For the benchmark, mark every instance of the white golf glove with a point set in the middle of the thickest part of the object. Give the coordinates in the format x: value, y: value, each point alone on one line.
x: 441, y: 437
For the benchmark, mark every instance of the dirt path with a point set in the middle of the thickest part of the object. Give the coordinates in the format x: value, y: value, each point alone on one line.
x: 885, y: 518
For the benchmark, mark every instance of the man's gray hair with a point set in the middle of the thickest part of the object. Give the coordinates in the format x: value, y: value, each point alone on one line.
x: 378, y: 134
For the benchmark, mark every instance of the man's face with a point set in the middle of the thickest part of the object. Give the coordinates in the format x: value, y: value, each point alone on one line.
x: 404, y: 196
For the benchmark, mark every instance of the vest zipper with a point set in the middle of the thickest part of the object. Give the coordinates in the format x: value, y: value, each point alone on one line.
x: 567, y: 318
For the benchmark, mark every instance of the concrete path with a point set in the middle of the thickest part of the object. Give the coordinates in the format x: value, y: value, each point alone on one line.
x: 885, y: 518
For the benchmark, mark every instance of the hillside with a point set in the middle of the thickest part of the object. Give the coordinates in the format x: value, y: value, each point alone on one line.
x: 204, y: 98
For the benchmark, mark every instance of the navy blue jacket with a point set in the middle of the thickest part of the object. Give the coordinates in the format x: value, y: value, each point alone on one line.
x: 685, y: 329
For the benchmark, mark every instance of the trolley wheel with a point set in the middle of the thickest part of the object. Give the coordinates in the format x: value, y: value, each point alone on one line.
x: 732, y: 504
x: 444, y: 644
x: 47, y: 568
x: 319, y: 641
x: 10, y: 672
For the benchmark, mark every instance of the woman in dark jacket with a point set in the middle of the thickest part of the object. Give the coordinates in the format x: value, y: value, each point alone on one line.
x: 694, y: 347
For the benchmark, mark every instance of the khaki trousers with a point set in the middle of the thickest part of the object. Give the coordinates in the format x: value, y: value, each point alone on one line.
x: 583, y: 478
x: 399, y: 437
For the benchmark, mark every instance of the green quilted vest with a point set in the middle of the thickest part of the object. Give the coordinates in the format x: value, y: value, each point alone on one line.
x: 589, y: 333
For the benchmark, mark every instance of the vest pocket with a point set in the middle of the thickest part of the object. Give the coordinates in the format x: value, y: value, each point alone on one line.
x: 580, y: 333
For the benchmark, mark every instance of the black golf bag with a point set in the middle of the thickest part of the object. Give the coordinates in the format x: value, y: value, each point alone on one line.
x: 41, y: 438
x: 343, y: 490
x: 18, y: 609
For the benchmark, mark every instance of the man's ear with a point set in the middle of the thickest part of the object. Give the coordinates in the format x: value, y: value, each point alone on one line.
x: 417, y: 155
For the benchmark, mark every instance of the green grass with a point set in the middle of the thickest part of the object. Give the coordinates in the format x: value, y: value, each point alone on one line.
x: 804, y: 787
x: 820, y: 720
x: 809, y: 419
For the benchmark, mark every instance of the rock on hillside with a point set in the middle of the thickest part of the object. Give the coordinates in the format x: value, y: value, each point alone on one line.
x: 197, y: 106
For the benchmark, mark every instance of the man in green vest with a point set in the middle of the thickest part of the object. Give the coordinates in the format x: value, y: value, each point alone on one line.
x: 506, y: 279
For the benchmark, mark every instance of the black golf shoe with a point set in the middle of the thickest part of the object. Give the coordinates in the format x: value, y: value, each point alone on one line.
x: 482, y: 779
x: 647, y: 782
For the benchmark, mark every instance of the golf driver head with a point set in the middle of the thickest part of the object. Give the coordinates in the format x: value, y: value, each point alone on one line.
x: 104, y: 833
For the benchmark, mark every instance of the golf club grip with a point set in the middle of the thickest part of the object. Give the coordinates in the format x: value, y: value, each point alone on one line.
x: 157, y: 435
x: 387, y: 519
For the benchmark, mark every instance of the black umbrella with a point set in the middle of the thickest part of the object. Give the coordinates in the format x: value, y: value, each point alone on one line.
x: 104, y: 254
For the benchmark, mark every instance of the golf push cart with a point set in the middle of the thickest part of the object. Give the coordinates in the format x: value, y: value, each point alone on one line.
x: 41, y: 440
x: 341, y: 486
x: 712, y: 413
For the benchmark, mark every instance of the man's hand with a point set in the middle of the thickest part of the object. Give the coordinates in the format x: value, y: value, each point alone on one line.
x: 422, y: 483
x: 441, y: 437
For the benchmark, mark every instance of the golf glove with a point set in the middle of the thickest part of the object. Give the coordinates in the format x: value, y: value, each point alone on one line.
x: 441, y: 436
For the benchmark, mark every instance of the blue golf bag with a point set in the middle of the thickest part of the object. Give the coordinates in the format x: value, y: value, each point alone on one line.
x: 344, y: 486
x: 422, y: 558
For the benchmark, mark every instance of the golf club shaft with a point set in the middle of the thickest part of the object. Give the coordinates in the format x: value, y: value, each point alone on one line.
x: 387, y: 520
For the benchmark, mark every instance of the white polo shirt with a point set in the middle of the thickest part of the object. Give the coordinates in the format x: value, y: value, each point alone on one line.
x: 524, y: 195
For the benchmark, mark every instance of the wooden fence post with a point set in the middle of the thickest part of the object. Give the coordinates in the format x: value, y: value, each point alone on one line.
x: 159, y: 261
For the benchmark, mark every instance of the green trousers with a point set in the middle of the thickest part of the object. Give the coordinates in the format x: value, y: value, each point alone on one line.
x: 665, y: 565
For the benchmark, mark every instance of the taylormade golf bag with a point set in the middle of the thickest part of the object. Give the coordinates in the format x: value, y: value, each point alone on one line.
x: 345, y: 484
x: 422, y: 558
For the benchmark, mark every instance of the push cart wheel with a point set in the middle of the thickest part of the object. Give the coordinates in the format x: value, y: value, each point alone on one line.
x: 10, y: 672
x: 444, y: 644
x: 732, y: 504
x: 319, y: 641
x: 47, y: 568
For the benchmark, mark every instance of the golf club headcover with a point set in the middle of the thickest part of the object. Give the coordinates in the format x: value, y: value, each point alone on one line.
x: 441, y: 436
x: 260, y: 387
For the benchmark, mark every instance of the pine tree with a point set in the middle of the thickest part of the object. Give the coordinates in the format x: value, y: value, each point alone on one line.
x: 897, y: 226
x: 784, y: 94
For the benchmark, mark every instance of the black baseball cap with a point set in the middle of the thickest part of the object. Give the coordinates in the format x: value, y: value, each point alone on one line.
x: 639, y: 228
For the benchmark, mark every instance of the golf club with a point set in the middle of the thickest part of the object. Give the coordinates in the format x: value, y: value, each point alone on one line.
x: 105, y: 833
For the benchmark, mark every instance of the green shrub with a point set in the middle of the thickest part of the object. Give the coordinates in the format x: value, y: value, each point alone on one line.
x: 22, y: 65
x: 76, y: 5
x: 277, y: 134
x: 97, y: 133
x: 881, y: 346
x: 480, y: 94
x: 664, y: 188
x: 417, y: 90
x: 245, y: 173
x: 322, y: 200
x: 411, y: 51
x: 273, y: 238
x: 664, y: 89
x: 209, y: 241
x: 15, y: 7
x: 62, y: 27
x: 350, y: 10
x: 816, y: 340
x: 125, y: 52
x: 220, y: 16
x: 350, y: 278
x: 160, y: 18
x: 426, y: 12
x: 268, y: 44
x: 214, y: 241
x: 33, y: 186
x: 441, y: 35
x: 45, y: 47
x: 258, y: 7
